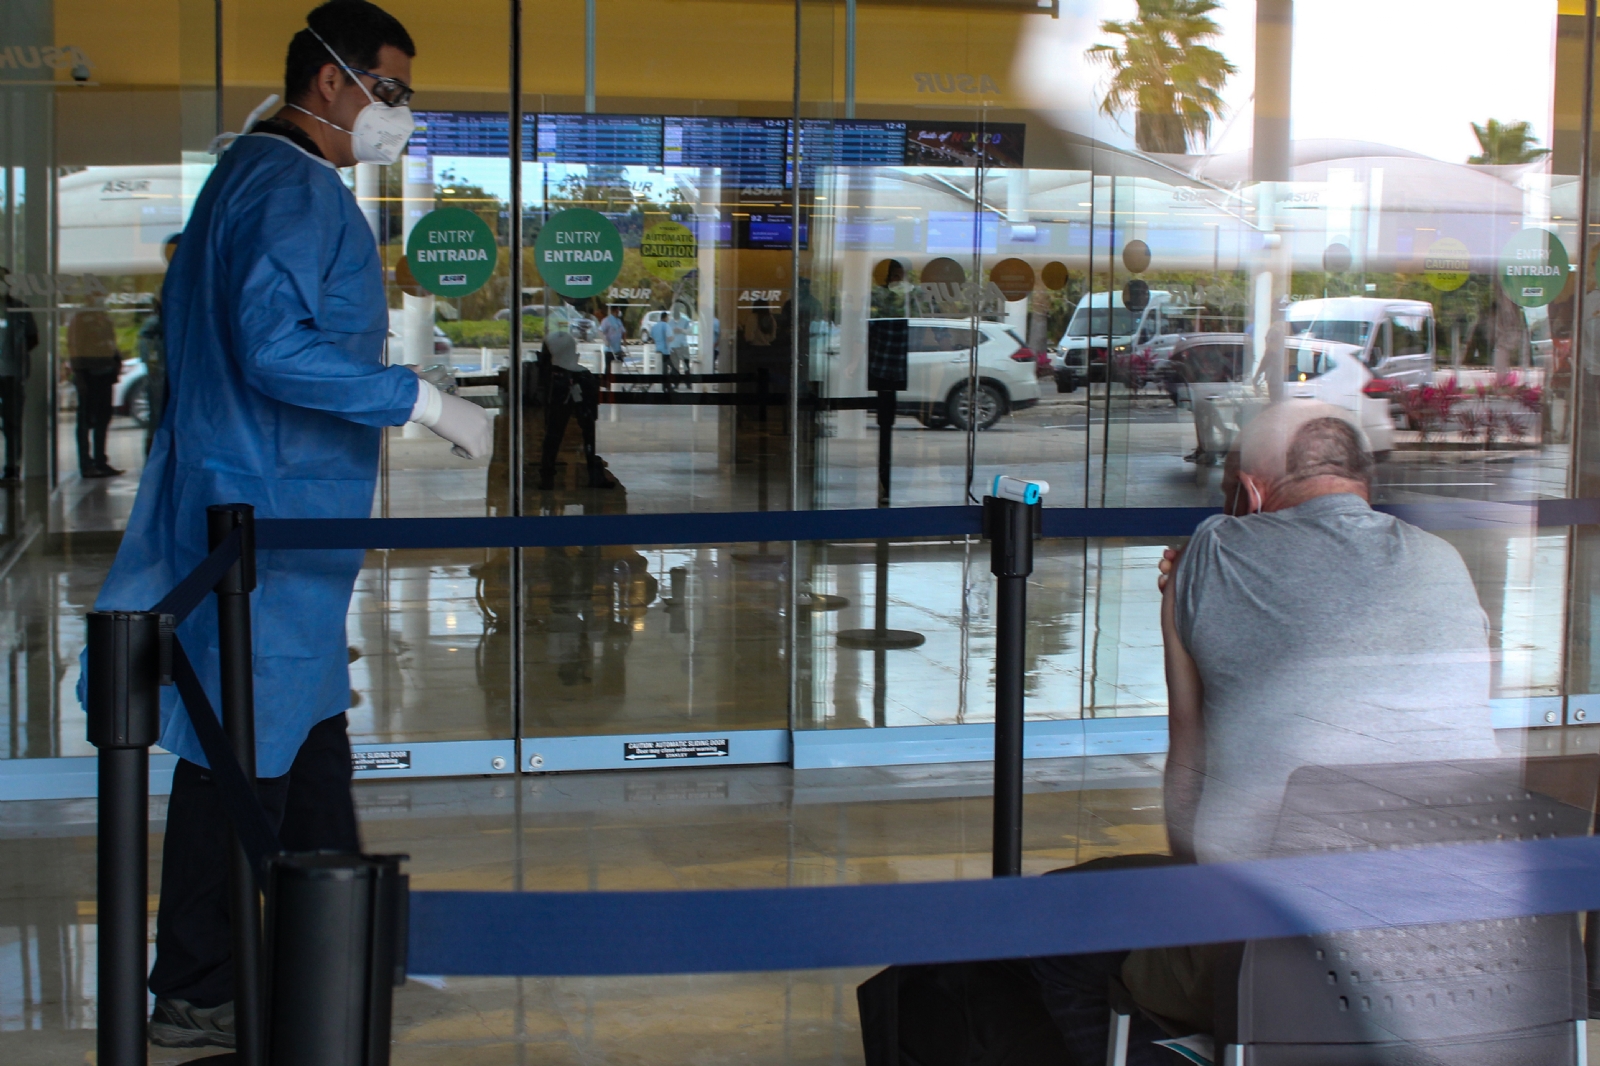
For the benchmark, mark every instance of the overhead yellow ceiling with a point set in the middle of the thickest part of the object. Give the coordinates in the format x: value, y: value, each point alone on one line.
x: 686, y: 50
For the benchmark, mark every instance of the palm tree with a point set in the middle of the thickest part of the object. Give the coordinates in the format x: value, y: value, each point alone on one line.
x: 1163, y: 74
x: 1512, y: 142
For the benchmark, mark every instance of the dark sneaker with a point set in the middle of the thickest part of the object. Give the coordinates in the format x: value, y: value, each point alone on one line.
x: 179, y: 1023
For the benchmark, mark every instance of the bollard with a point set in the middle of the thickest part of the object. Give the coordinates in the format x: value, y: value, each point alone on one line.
x: 1011, y: 521
x: 239, y: 720
x: 336, y: 936
x: 124, y: 711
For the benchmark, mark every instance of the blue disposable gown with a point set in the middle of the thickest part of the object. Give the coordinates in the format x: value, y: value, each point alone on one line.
x: 275, y: 322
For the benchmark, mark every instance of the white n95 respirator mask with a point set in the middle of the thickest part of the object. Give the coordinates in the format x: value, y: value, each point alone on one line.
x: 381, y: 133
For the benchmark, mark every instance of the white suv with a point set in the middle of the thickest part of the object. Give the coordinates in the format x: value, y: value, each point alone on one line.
x: 937, y: 389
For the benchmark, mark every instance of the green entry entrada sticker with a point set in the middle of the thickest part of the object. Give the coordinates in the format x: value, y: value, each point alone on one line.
x: 578, y: 252
x: 451, y: 252
x: 1533, y: 268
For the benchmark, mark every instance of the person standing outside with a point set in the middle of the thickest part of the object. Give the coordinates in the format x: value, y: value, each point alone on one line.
x: 96, y: 363
x: 152, y: 353
x: 611, y: 331
x: 277, y: 394
x: 661, y: 335
x: 19, y: 336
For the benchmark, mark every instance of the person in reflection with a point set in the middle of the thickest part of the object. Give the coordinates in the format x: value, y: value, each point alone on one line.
x: 19, y: 336
x: 153, y: 354
x: 572, y: 392
x: 661, y: 336
x: 611, y: 331
x: 96, y: 364
x: 1300, y: 628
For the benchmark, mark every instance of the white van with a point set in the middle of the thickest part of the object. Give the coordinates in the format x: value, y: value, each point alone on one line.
x: 1092, y: 331
x: 1395, y: 338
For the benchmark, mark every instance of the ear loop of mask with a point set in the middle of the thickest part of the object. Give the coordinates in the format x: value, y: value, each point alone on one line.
x: 1255, y: 496
x: 347, y: 72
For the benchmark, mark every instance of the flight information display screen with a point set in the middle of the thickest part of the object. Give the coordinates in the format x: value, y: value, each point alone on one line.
x: 772, y: 230
x: 600, y: 140
x: 751, y: 152
x: 849, y: 143
x: 460, y: 133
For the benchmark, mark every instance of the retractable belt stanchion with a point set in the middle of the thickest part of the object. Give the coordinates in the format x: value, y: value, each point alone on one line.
x: 239, y: 721
x: 336, y: 936
x: 1011, y: 521
x: 124, y: 711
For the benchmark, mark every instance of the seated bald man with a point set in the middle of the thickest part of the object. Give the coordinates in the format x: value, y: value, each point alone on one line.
x: 1301, y: 628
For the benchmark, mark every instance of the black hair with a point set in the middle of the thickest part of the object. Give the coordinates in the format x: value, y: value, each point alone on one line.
x: 1328, y: 447
x: 353, y: 28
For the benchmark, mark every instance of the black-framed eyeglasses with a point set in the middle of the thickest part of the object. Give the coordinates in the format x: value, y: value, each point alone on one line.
x: 391, y: 91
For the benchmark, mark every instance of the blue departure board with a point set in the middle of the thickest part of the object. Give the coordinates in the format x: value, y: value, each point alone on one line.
x: 751, y: 152
x: 849, y: 143
x: 600, y: 140
x: 773, y: 230
x: 460, y: 133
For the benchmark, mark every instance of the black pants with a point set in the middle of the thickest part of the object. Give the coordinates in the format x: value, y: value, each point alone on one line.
x: 312, y: 808
x: 94, y: 416
x: 563, y: 407
x: 11, y: 419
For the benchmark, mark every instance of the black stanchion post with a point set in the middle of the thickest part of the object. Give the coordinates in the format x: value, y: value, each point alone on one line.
x: 1010, y: 525
x: 124, y: 711
x: 337, y: 932
x: 886, y: 409
x: 887, y: 347
x: 239, y: 720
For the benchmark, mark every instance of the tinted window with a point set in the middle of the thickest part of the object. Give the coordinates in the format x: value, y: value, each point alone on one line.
x: 1121, y: 323
x: 1303, y: 364
x: 1213, y: 363
x: 1345, y: 331
x: 1411, y: 334
x: 940, y: 339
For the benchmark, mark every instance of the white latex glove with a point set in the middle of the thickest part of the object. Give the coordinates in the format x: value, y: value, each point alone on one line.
x: 461, y: 422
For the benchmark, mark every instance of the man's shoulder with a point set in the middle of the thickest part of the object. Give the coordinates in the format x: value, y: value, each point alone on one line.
x: 262, y: 166
x: 1357, y: 533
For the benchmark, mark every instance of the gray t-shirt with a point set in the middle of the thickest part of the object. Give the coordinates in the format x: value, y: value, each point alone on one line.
x: 1325, y: 634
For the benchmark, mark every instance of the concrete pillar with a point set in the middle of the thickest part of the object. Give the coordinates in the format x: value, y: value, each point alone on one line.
x: 417, y: 197
x: 1270, y: 156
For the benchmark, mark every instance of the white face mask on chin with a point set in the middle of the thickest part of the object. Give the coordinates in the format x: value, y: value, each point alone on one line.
x: 380, y: 132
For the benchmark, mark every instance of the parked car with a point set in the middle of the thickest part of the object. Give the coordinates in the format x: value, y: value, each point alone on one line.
x: 441, y: 340
x: 937, y: 390
x: 131, y: 394
x: 1329, y: 371
x: 1199, y: 364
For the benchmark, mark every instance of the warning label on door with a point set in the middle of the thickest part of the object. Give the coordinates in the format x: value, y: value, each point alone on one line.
x: 646, y: 750
x: 381, y: 760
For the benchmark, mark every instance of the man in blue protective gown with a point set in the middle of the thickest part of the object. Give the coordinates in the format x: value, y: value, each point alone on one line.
x: 275, y: 318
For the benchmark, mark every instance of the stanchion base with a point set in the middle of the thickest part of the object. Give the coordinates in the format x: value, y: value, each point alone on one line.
x: 874, y: 639
x: 821, y: 601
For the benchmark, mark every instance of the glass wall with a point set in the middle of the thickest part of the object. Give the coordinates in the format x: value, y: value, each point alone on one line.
x: 1099, y: 275
x: 733, y: 257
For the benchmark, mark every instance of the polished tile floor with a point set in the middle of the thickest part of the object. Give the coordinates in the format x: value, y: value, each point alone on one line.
x: 689, y: 828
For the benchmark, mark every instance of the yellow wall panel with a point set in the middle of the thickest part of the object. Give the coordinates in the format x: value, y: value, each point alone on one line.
x: 461, y: 46
x: 958, y: 55
x: 131, y: 42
